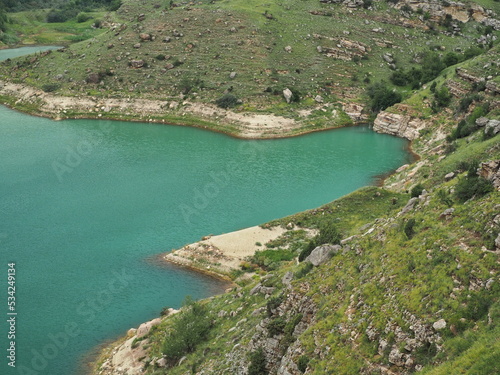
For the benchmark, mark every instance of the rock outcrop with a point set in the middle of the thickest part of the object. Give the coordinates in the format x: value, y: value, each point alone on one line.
x: 398, y: 124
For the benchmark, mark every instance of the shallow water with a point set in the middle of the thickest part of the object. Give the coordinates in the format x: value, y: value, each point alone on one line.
x: 86, y: 204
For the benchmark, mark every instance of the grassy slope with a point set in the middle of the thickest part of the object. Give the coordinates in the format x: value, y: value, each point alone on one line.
x: 255, y: 50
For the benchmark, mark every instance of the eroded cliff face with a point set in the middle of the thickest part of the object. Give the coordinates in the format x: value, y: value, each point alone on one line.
x: 398, y: 124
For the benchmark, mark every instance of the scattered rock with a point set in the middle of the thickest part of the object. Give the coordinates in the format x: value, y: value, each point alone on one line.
x: 410, y: 205
x: 397, y: 358
x: 449, y: 176
x: 447, y: 213
x: 287, y: 93
x: 439, y: 325
x: 322, y: 254
x: 137, y: 63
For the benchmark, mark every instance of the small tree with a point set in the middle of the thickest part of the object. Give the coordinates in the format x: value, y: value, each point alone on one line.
x: 257, y: 363
x: 227, y: 101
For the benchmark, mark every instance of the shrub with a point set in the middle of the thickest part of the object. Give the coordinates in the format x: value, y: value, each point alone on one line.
x: 273, y: 303
x: 328, y: 233
x: 50, y: 87
x: 416, y: 191
x: 276, y: 326
x: 83, y: 17
x: 470, y: 187
x: 442, y: 98
x: 114, y: 5
x: 304, y: 270
x: 257, y: 363
x: 189, y: 328
x: 409, y: 228
x: 382, y: 96
x: 227, y: 101
x: 302, y: 363
x: 307, y: 250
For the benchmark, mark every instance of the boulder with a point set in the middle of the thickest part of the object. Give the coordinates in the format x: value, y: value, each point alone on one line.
x: 449, y: 176
x: 322, y: 254
x: 144, y: 328
x: 287, y: 279
x: 492, y: 127
x: 232, y: 75
x: 482, y: 121
x: 288, y: 49
x: 439, y: 325
x: 491, y: 171
x: 410, y: 205
x: 145, y: 36
x: 287, y: 93
x: 137, y: 63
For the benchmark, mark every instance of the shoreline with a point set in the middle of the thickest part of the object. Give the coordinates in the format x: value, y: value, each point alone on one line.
x: 174, y: 111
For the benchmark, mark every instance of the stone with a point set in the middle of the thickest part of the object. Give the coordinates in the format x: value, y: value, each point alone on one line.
x: 410, y: 205
x: 447, y: 213
x: 396, y: 357
x: 439, y: 325
x: 287, y: 93
x: 167, y: 39
x: 131, y: 332
x: 169, y: 66
x: 137, y: 63
x: 144, y: 328
x: 449, y: 176
x: 287, y: 279
x: 491, y: 171
x: 318, y: 99
x: 492, y: 127
x: 162, y: 362
x: 482, y: 121
x: 255, y: 289
x: 288, y: 49
x: 322, y: 254
x: 232, y: 75
x: 137, y: 45
x: 92, y: 78
x: 497, y: 242
x: 319, y: 49
x: 141, y: 17
x: 144, y: 36
x: 388, y: 58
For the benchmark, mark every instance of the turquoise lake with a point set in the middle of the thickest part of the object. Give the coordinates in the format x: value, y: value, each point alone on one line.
x: 86, y: 205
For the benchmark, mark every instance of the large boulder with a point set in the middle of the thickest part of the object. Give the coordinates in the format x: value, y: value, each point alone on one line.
x: 287, y: 93
x: 322, y: 254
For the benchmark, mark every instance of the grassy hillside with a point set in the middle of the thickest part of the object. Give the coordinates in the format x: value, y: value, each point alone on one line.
x: 250, y: 49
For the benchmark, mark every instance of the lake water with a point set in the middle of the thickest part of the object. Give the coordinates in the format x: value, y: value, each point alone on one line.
x: 85, y: 205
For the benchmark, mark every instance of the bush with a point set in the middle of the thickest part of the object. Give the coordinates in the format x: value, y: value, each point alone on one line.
x: 227, y: 101
x: 50, y: 87
x: 382, y: 96
x: 302, y: 363
x: 409, y: 228
x: 416, y: 191
x: 470, y: 187
x: 442, y: 98
x: 276, y: 326
x: 273, y: 303
x: 189, y: 328
x: 114, y: 5
x: 83, y: 17
x: 257, y: 363
x: 307, y: 250
x: 328, y: 233
x: 303, y: 270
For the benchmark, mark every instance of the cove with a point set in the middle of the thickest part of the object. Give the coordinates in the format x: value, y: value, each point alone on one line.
x: 85, y: 206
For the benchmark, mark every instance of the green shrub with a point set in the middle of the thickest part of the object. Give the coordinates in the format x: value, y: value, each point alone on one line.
x: 409, y: 228
x: 276, y: 326
x: 302, y: 363
x: 307, y: 250
x: 189, y: 328
x: 328, y: 233
x: 273, y: 303
x: 50, y: 87
x: 269, y: 259
x: 416, y: 191
x: 303, y: 270
x: 470, y: 187
x: 227, y: 101
x: 83, y: 17
x: 115, y: 5
x: 382, y: 96
x: 257, y: 363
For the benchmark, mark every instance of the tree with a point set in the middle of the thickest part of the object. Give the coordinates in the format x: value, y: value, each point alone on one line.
x: 382, y: 96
